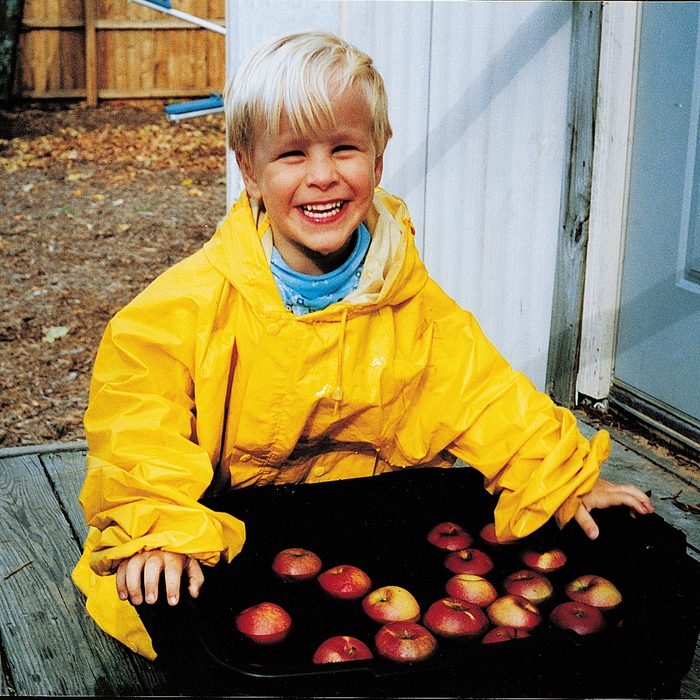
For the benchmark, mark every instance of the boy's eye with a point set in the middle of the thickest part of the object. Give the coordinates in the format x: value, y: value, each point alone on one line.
x: 344, y: 147
x: 290, y: 154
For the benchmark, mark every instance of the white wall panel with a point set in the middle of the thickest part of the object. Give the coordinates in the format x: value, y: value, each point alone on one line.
x: 478, y: 96
x: 397, y: 36
x: 499, y: 86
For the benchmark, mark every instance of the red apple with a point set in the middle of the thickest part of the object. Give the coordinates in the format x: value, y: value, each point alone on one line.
x: 514, y: 611
x: 264, y: 623
x: 296, y: 564
x: 391, y: 604
x: 449, y: 536
x: 339, y: 649
x: 451, y: 617
x: 345, y: 581
x: 504, y: 634
x: 529, y: 584
x: 488, y: 535
x: 469, y: 561
x: 405, y: 642
x: 472, y: 588
x: 594, y: 590
x: 543, y: 560
x: 579, y: 617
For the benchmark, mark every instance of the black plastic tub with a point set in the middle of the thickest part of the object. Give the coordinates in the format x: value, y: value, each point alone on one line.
x: 380, y: 524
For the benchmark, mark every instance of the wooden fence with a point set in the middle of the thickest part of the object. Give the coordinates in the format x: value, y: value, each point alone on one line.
x: 115, y: 49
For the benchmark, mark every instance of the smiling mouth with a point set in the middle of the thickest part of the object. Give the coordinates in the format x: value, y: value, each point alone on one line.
x: 322, y: 212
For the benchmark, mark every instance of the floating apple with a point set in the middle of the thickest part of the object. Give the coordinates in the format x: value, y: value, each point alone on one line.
x: 504, y: 634
x: 296, y: 564
x: 514, y: 611
x: 346, y: 582
x: 594, y: 590
x: 469, y: 561
x: 405, y: 642
x: 472, y: 588
x: 264, y: 623
x: 488, y: 535
x: 452, y: 617
x: 543, y: 560
x: 530, y: 584
x: 449, y: 536
x: 391, y: 604
x: 341, y: 648
x: 579, y: 617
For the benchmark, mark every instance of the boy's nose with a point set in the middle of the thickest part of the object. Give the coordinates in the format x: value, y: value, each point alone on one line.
x: 321, y: 172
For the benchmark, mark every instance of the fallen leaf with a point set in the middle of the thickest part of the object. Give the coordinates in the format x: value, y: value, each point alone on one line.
x: 187, y: 182
x: 74, y: 177
x: 194, y: 192
x: 54, y: 333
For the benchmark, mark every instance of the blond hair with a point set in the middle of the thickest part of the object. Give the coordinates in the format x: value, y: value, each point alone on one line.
x: 296, y: 75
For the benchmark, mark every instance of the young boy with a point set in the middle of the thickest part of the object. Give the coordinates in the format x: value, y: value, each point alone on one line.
x: 305, y: 342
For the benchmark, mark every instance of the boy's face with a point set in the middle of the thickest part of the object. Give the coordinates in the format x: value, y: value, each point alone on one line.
x: 316, y: 188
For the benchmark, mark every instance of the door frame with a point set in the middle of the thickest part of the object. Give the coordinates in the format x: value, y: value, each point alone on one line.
x: 617, y: 80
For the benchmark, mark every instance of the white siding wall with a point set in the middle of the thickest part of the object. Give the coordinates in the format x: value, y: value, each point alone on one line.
x: 478, y: 95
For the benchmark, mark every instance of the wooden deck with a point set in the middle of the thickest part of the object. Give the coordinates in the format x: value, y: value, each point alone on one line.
x: 50, y: 646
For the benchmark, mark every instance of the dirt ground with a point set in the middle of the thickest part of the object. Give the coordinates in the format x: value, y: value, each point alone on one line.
x: 95, y: 204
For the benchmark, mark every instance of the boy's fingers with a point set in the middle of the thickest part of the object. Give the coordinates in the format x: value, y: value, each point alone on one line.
x: 146, y: 568
x: 121, y: 580
x: 605, y: 494
x: 151, y: 576
x: 586, y: 522
x: 174, y: 564
x: 195, y: 576
x: 133, y: 570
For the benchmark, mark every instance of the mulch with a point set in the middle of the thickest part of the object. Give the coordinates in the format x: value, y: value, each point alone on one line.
x: 96, y: 203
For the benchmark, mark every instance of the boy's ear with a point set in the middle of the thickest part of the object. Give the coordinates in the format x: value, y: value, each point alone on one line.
x: 378, y: 169
x: 249, y: 179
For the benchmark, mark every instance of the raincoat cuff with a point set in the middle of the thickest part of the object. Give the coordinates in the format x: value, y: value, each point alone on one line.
x: 221, y: 535
x: 600, y: 451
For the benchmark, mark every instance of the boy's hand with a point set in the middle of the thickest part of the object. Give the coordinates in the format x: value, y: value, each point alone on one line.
x: 148, y: 566
x: 605, y: 494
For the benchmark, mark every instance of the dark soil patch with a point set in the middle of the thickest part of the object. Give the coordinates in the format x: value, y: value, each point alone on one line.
x: 96, y: 203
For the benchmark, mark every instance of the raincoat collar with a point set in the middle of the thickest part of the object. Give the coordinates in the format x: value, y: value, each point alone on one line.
x: 392, y: 274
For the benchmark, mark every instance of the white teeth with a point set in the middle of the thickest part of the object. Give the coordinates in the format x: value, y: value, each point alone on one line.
x: 322, y: 211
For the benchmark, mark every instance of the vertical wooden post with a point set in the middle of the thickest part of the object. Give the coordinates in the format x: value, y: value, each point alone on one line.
x: 90, y: 53
x: 569, y: 276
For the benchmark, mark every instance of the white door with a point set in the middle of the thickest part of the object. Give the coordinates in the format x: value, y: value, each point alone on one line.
x: 657, y: 361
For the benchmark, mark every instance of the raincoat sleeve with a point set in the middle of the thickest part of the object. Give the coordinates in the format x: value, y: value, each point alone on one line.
x: 145, y: 470
x: 529, y: 449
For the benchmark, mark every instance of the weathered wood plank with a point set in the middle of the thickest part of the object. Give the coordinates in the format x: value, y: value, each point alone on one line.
x: 690, y: 687
x: 567, y: 302
x: 51, y: 645
x: 66, y: 470
x: 90, y: 54
x: 5, y: 688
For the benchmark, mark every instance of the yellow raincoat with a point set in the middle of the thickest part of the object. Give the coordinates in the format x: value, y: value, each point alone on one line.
x: 206, y: 382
